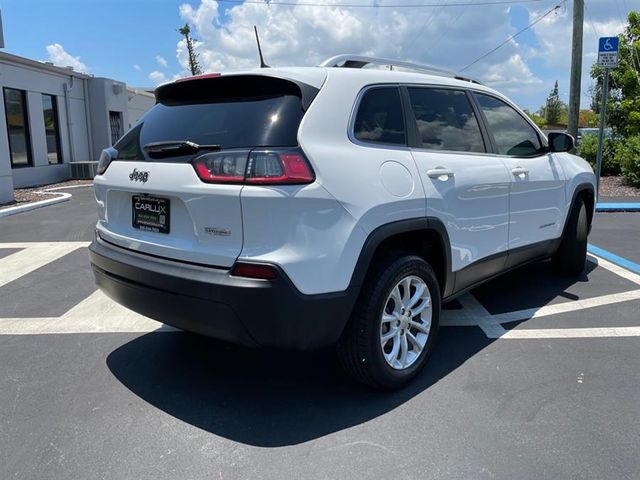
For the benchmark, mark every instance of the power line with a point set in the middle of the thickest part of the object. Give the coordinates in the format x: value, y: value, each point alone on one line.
x: 361, y: 5
x: 537, y: 20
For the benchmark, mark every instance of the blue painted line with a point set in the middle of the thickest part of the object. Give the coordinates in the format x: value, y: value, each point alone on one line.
x: 618, y: 207
x: 613, y: 258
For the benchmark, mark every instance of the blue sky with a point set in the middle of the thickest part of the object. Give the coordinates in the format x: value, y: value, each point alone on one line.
x: 121, y: 39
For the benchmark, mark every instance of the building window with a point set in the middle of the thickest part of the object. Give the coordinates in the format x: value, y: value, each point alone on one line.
x: 50, y: 109
x: 115, y: 121
x: 15, y: 104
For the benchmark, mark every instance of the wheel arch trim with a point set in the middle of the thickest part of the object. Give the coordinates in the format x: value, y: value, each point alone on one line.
x: 389, y: 230
x: 577, y: 191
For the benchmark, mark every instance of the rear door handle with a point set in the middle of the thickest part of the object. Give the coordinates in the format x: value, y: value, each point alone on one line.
x: 440, y: 172
x: 520, y: 171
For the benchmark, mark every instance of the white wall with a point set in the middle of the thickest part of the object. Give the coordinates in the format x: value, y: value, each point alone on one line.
x: 83, y: 105
x: 36, y: 82
x: 139, y: 103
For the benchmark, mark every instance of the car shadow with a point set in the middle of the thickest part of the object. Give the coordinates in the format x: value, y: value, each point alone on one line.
x: 266, y: 398
x: 530, y: 286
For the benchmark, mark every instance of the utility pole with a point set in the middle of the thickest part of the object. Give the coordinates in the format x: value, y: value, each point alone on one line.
x: 576, y: 68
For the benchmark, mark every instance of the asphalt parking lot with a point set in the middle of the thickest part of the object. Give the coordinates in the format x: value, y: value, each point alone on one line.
x: 533, y: 376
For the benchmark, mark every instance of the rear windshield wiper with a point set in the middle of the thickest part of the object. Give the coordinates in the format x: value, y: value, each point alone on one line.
x: 176, y: 148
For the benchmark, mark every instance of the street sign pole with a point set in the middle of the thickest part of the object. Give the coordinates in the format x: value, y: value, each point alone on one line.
x: 608, y: 48
x: 603, y: 116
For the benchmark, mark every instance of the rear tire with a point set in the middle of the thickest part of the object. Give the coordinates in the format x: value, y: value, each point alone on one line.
x: 390, y: 335
x: 571, y: 256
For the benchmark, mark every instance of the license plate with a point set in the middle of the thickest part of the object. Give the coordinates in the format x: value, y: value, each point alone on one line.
x: 150, y: 213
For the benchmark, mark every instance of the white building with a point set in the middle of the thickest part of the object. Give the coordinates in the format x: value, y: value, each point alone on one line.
x: 51, y: 117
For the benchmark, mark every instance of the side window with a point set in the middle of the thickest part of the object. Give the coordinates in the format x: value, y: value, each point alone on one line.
x: 446, y: 120
x: 379, y: 118
x: 512, y: 133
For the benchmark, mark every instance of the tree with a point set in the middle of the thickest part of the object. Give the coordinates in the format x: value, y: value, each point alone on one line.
x: 623, y: 108
x: 588, y: 119
x: 554, y: 107
x: 537, y: 119
x: 194, y: 65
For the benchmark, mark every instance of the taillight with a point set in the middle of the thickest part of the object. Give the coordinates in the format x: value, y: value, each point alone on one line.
x: 254, y: 270
x: 257, y: 167
x: 269, y: 167
x: 222, y: 167
x: 106, y: 157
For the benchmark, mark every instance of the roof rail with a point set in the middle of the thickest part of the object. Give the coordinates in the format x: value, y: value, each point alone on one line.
x: 357, y: 61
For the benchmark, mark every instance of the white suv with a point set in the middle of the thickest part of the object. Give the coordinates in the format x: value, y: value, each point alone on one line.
x: 306, y: 207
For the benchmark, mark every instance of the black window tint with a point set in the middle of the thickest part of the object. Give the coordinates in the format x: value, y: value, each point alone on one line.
x: 50, y: 111
x: 15, y: 105
x: 512, y: 133
x: 446, y: 120
x: 234, y: 112
x: 380, y: 117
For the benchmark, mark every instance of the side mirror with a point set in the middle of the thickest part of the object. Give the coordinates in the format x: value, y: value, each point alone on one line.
x: 560, y: 142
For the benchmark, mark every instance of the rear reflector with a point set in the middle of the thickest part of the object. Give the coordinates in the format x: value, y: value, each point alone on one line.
x: 254, y: 270
x: 256, y: 167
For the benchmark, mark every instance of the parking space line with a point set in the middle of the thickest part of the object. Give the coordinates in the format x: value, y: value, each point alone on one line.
x: 604, y: 332
x: 617, y: 269
x: 616, y: 259
x: 566, y: 307
x: 98, y: 314
x: 95, y: 314
x: 484, y: 320
x: 31, y: 258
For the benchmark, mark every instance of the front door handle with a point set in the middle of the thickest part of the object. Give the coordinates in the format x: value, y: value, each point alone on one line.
x: 440, y: 172
x: 520, y: 171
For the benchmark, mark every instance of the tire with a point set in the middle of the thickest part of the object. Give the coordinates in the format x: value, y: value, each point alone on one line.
x: 571, y: 256
x: 361, y: 350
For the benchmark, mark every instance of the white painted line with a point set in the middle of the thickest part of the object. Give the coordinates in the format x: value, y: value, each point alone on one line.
x: 42, y: 244
x: 95, y: 314
x: 490, y: 327
x: 620, y: 271
x: 25, y: 261
x: 566, y: 307
x: 600, y: 332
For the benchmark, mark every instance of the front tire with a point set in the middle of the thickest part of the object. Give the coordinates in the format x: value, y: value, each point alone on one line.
x: 571, y: 256
x: 391, y: 332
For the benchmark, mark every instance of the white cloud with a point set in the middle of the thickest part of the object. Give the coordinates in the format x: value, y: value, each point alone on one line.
x: 305, y: 35
x: 161, y: 61
x: 157, y: 77
x: 137, y: 67
x: 554, y: 35
x: 61, y: 58
x: 450, y: 37
x: 511, y: 75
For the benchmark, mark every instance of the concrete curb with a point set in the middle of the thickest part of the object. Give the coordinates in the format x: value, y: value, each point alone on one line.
x: 618, y: 207
x: 59, y: 198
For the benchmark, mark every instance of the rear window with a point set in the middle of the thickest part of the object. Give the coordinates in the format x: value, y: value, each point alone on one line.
x: 234, y: 112
x: 380, y: 118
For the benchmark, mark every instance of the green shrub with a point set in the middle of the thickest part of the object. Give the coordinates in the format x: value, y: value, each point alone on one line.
x: 588, y: 149
x: 628, y: 157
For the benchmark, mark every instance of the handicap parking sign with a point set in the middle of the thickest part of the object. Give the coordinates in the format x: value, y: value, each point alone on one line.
x: 608, y: 52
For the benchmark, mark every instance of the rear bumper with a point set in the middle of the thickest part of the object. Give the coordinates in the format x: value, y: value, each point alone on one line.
x: 264, y: 313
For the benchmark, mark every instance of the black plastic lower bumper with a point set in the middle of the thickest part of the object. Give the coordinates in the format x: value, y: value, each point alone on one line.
x: 265, y: 313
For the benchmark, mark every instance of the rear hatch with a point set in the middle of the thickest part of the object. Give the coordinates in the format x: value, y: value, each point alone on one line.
x: 171, y: 186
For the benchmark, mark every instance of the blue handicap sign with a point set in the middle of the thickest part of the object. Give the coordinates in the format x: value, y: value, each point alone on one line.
x: 609, y: 45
